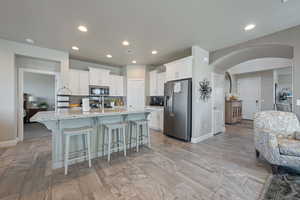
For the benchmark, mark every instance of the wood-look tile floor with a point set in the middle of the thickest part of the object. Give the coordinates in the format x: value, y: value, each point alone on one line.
x: 222, y: 167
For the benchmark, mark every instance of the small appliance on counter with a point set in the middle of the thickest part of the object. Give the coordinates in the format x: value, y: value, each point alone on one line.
x: 63, y: 101
x: 86, y: 105
x: 156, y: 101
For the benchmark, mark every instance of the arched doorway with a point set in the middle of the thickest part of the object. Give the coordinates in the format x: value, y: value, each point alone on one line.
x: 268, y: 53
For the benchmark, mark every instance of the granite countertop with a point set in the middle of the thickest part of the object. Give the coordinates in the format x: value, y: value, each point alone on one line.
x: 78, y: 113
x: 155, y: 107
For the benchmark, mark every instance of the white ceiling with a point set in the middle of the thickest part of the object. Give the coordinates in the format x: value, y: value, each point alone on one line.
x: 169, y: 26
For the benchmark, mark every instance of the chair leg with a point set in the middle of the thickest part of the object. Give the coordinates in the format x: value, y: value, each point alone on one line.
x: 256, y: 153
x: 136, y: 129
x: 130, y: 134
x: 124, y: 140
x: 103, y: 140
x: 148, y: 135
x: 275, y: 169
x: 89, y: 149
x: 109, y: 144
x: 67, y: 154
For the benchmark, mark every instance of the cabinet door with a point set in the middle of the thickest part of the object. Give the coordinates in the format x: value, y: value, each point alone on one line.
x: 120, y: 86
x: 94, y: 76
x: 160, y: 83
x: 103, y: 78
x: 153, y: 83
x: 161, y: 120
x: 179, y: 69
x: 170, y: 72
x: 84, y: 82
x: 153, y: 120
x: 74, y: 82
x: 185, y: 67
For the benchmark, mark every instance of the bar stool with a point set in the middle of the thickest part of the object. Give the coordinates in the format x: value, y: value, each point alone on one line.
x: 137, y: 127
x: 119, y: 130
x: 85, y: 133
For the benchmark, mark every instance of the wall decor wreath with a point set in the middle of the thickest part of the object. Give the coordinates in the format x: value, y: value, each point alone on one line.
x: 205, y: 90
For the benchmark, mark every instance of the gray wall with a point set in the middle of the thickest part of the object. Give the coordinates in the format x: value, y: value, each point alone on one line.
x: 287, y: 37
x: 41, y: 86
x: 201, y: 112
x: 8, y: 80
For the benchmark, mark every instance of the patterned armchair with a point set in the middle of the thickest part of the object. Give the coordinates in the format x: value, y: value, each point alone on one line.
x: 277, y: 138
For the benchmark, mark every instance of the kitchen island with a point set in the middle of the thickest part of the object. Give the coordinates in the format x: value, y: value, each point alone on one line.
x: 56, y: 121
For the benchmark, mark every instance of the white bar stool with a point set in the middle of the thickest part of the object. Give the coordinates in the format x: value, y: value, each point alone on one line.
x: 85, y: 133
x: 137, y: 127
x: 120, y: 130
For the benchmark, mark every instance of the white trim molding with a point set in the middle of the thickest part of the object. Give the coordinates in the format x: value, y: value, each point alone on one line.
x: 201, y: 138
x: 9, y: 143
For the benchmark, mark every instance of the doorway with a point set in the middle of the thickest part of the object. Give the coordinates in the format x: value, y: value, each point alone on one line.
x: 248, y: 89
x: 37, y: 92
x: 218, y: 97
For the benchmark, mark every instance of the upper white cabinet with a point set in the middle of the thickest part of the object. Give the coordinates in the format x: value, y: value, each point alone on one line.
x: 79, y: 82
x: 157, y: 81
x: 99, y: 77
x: 116, y: 86
x: 179, y: 69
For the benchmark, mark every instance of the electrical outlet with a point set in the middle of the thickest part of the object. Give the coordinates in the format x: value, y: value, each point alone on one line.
x: 298, y: 102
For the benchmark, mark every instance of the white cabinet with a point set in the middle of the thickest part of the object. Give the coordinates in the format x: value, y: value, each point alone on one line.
x: 135, y: 94
x: 99, y: 77
x: 157, y: 119
x: 79, y: 82
x: 116, y: 86
x: 153, y: 83
x: 157, y: 81
x: 161, y: 79
x: 179, y: 69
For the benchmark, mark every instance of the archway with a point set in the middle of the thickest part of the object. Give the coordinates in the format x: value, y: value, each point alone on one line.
x: 222, y: 61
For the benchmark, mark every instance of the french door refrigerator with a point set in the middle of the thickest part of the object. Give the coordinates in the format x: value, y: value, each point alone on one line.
x: 178, y: 109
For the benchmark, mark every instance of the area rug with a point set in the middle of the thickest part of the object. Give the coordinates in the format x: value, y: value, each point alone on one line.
x: 283, y: 186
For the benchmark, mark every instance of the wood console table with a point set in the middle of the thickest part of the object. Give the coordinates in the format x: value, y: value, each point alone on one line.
x: 233, y: 111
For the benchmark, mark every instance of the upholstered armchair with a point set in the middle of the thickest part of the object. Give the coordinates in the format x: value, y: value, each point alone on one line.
x: 277, y: 138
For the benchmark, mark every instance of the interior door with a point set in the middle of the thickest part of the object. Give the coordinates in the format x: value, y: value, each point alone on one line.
x: 218, y: 102
x: 136, y: 94
x: 249, y: 92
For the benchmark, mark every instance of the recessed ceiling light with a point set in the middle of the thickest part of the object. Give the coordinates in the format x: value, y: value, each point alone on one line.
x: 154, y: 52
x: 134, y: 61
x: 31, y: 41
x: 284, y: 1
x: 109, y: 56
x: 82, y: 28
x: 125, y: 43
x: 249, y: 27
x: 75, y: 48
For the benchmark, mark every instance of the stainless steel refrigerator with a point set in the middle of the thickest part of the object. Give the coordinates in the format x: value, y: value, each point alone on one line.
x: 178, y: 109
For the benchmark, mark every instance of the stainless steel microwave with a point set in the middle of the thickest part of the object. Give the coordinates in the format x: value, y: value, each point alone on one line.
x: 99, y: 90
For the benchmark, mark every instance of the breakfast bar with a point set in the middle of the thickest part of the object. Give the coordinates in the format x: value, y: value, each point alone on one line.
x: 57, y: 121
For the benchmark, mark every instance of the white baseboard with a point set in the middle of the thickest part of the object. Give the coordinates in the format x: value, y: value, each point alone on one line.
x: 9, y: 143
x: 201, y: 138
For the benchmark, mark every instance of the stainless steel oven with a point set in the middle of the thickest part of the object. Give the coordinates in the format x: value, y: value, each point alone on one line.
x: 99, y: 90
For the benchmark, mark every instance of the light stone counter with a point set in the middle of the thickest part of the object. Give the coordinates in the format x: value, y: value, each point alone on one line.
x: 56, y: 121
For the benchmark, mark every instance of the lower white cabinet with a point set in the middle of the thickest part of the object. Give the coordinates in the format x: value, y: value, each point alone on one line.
x: 157, y: 119
x: 79, y: 82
